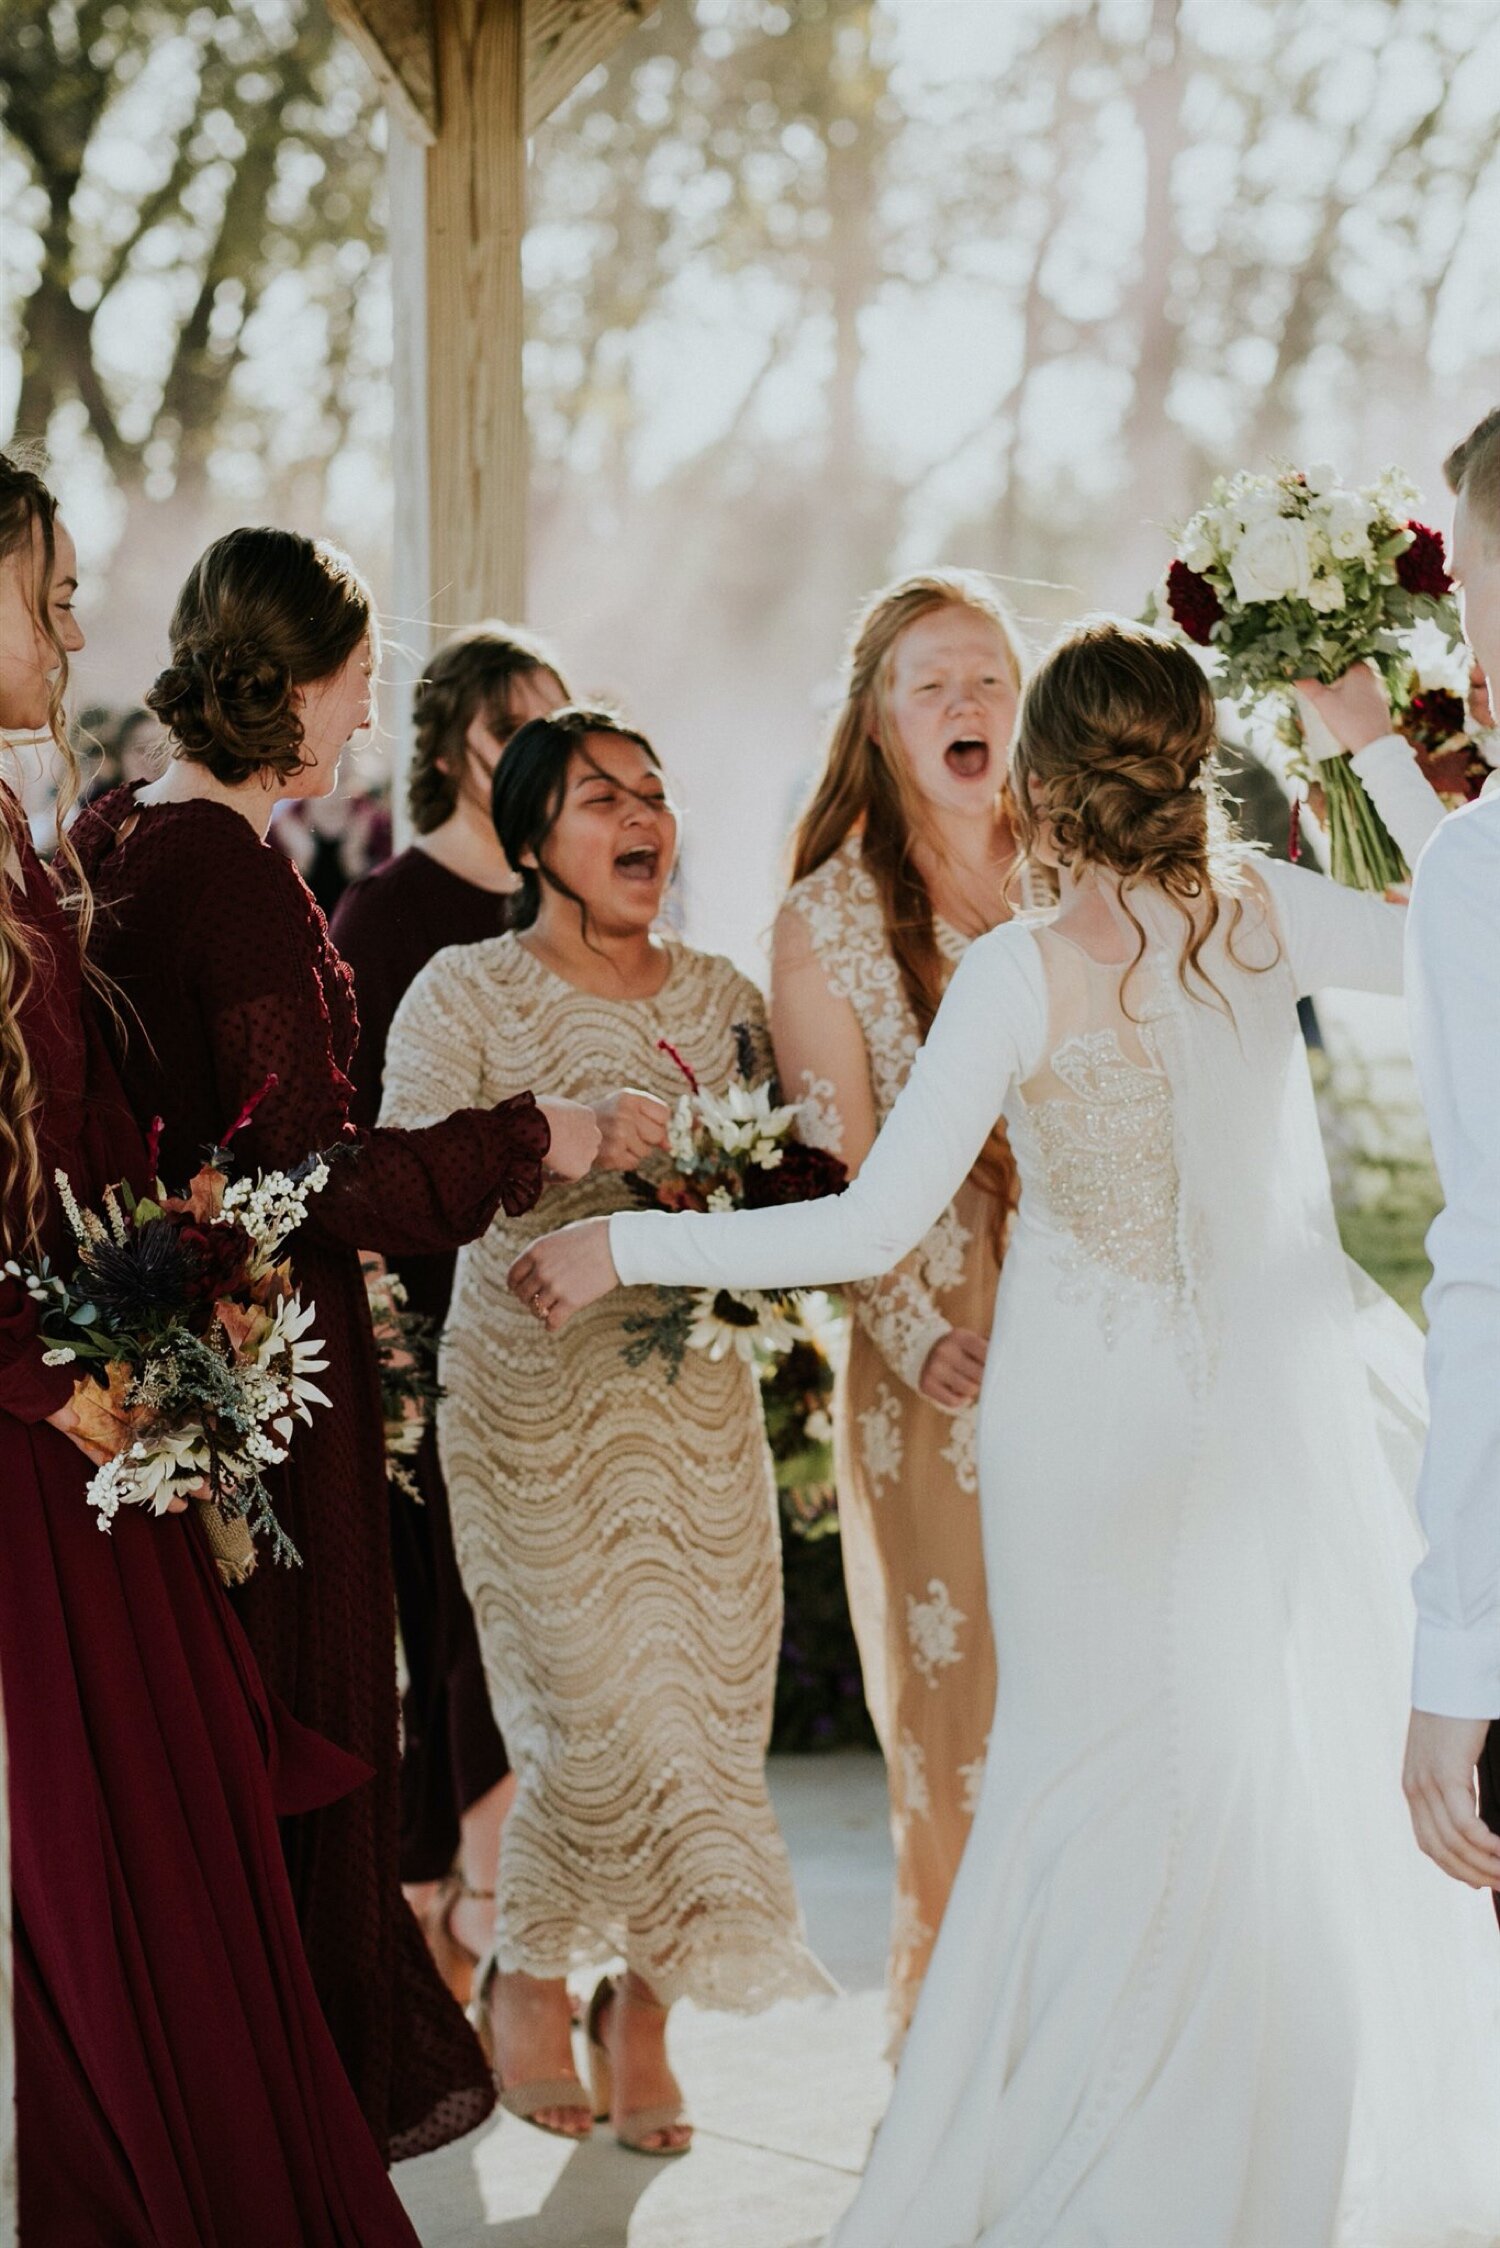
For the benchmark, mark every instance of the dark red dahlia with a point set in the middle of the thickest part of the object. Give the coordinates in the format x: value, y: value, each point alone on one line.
x: 1423, y: 568
x: 802, y: 1175
x: 1193, y: 602
x: 219, y: 1256
x: 1433, y: 718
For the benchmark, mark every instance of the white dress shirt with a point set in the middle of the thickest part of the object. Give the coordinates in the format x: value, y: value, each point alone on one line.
x: 1453, y: 994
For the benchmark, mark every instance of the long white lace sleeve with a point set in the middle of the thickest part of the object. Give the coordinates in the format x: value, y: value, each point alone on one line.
x: 1336, y: 939
x: 1346, y: 940
x: 1405, y: 800
x: 990, y: 1030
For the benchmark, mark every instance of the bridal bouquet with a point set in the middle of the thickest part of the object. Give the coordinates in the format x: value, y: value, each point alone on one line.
x: 193, y: 1344
x: 735, y: 1150
x: 1298, y: 576
x: 1456, y: 755
x: 406, y: 1346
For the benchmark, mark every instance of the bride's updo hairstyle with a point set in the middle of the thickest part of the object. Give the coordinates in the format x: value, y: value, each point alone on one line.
x: 1113, y: 767
x: 263, y: 613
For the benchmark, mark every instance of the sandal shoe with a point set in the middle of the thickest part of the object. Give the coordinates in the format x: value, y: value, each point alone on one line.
x: 641, y: 2124
x: 539, y: 2093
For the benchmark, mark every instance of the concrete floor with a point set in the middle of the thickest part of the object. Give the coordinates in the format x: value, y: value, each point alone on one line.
x: 784, y: 2102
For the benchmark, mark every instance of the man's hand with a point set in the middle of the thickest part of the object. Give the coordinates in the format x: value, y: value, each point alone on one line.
x: 632, y: 1125
x: 564, y: 1272
x: 1354, y: 708
x: 575, y: 1138
x: 1441, y: 1756
x: 954, y: 1368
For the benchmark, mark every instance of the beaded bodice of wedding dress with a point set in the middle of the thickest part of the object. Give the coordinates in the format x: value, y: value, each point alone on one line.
x: 1093, y: 1135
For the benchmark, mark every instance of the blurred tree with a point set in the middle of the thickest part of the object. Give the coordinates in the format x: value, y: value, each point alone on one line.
x: 1182, y: 235
x: 192, y: 192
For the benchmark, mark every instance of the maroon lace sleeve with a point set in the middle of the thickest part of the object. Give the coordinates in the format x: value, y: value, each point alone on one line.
x: 260, y: 971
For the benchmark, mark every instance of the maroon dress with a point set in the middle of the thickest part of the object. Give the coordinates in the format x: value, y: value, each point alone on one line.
x: 228, y: 977
x: 177, y: 2086
x: 387, y: 926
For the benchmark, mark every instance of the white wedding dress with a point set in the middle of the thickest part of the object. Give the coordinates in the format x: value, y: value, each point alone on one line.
x: 1195, y: 1987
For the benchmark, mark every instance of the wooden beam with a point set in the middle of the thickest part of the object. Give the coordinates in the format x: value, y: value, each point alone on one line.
x: 395, y: 38
x: 476, y: 216
x: 409, y: 642
x: 565, y: 40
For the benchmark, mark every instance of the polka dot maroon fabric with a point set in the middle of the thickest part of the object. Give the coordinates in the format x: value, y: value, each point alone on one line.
x: 228, y: 979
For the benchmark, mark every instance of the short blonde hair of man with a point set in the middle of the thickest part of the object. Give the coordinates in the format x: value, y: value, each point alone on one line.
x: 1473, y: 469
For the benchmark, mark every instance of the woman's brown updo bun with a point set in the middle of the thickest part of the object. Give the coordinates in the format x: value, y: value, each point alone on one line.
x: 263, y: 613
x: 1113, y: 767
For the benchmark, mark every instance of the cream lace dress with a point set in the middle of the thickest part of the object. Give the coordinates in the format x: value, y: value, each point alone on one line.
x: 907, y: 1473
x: 617, y: 1534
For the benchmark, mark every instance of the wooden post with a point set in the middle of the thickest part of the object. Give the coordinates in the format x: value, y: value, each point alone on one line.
x: 465, y: 81
x: 410, y: 635
x: 476, y: 216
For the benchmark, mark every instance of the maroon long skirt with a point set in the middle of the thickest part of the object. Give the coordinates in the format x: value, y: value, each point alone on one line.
x: 177, y: 2086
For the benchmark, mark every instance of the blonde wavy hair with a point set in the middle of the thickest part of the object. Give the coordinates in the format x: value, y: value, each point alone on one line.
x: 866, y: 788
x: 28, y: 520
x: 1113, y: 767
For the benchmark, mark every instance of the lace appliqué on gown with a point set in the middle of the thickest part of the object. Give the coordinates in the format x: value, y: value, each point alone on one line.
x: 932, y: 1627
x: 1105, y: 1152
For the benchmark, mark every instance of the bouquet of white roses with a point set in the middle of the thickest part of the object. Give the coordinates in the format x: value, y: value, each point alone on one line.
x: 1298, y: 576
x: 735, y: 1150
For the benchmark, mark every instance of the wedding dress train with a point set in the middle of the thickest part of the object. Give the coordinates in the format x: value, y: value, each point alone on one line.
x: 1195, y: 1987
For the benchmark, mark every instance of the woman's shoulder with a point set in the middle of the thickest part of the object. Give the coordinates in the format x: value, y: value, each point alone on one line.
x: 715, y: 977
x: 841, y: 888
x: 463, y: 972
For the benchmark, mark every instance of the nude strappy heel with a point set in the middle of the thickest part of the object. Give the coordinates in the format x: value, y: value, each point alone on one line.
x: 532, y: 2099
x: 641, y: 2124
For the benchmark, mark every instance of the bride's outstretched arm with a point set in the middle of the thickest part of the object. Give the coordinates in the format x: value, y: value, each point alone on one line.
x: 989, y: 1031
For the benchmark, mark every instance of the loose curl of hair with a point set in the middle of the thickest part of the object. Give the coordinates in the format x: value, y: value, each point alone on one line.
x: 28, y: 517
x: 471, y: 676
x: 527, y: 792
x: 1113, y: 767
x: 866, y: 788
x: 264, y: 612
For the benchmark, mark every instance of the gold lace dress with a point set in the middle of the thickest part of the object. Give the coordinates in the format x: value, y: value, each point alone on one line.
x: 907, y: 1473
x: 616, y: 1533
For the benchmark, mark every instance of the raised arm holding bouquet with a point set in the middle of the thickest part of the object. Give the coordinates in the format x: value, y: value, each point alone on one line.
x: 1294, y: 581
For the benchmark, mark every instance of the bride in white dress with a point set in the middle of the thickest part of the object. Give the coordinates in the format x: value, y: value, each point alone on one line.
x: 1195, y: 1987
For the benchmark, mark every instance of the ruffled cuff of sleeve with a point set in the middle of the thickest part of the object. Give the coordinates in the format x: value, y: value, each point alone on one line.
x: 29, y: 1391
x: 528, y: 1138
x: 1456, y: 1673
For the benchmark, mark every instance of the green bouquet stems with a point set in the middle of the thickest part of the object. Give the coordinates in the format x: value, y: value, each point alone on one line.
x: 1362, y: 851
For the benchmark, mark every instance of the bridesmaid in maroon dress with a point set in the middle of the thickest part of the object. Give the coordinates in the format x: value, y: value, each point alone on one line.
x: 177, y: 2086
x: 230, y: 985
x: 453, y: 886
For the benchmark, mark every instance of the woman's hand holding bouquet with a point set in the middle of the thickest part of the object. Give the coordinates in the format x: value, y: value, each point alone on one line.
x: 730, y: 1151
x: 192, y: 1341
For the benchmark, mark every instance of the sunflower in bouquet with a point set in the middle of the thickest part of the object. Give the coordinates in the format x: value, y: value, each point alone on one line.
x: 1297, y: 576
x: 193, y: 1345
x: 735, y: 1150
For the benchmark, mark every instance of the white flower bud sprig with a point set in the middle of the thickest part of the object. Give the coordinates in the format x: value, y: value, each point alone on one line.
x: 270, y: 1207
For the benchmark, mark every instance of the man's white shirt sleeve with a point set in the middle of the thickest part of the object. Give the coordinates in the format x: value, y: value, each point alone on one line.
x: 1453, y: 991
